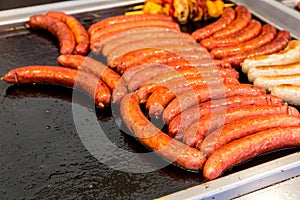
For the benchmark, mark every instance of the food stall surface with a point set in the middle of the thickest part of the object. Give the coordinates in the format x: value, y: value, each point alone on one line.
x: 43, y: 156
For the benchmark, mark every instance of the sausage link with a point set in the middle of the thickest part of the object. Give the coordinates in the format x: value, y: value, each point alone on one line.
x: 288, y: 93
x: 241, y: 128
x: 90, y: 65
x: 227, y: 17
x: 248, y: 147
x: 279, y: 43
x: 59, y: 29
x: 62, y: 76
x: 80, y: 33
x: 272, y: 81
x: 243, y: 17
x: 182, y: 121
x: 158, y: 141
x: 212, y: 121
x: 267, y: 35
x: 249, y: 32
x: 188, y: 99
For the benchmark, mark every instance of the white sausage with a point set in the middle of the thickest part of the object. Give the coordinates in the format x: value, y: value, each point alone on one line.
x: 288, y: 93
x: 270, y: 81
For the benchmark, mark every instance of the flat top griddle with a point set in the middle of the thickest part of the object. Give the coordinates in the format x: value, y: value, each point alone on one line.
x: 41, y: 154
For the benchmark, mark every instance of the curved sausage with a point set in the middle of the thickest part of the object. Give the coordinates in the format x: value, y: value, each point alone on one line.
x: 63, y: 33
x: 182, y: 121
x: 153, y: 138
x: 243, y: 17
x: 208, y: 123
x: 81, y: 36
x: 280, y: 42
x: 248, y: 147
x: 291, y: 53
x: 249, y: 32
x: 227, y: 17
x: 288, y: 93
x: 267, y: 35
x: 62, y: 76
x: 241, y: 128
x: 187, y: 100
x: 271, y: 81
x: 91, y: 65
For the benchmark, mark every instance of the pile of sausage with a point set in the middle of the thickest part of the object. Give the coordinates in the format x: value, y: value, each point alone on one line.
x: 279, y: 73
x: 214, y: 122
x: 236, y: 36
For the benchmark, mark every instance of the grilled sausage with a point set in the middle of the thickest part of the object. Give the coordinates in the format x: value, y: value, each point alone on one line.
x: 241, y: 128
x: 182, y: 121
x: 62, y: 76
x: 227, y: 17
x: 248, y: 147
x: 249, y: 32
x: 153, y: 138
x: 243, y: 17
x: 291, y: 53
x: 90, y: 65
x: 288, y: 93
x: 212, y: 121
x: 80, y: 33
x: 59, y: 29
x: 271, y: 81
x: 267, y: 35
x: 273, y: 70
x: 187, y: 100
x: 280, y: 42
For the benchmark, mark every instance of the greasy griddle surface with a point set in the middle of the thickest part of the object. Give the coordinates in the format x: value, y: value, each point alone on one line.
x: 41, y: 154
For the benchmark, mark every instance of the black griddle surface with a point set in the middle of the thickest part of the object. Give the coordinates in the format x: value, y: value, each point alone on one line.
x: 41, y: 154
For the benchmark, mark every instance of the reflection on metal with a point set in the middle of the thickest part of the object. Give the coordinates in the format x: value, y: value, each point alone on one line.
x: 69, y: 7
x: 243, y: 182
x: 275, y: 13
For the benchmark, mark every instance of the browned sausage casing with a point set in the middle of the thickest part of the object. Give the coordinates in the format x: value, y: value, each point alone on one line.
x: 62, y: 76
x: 153, y: 138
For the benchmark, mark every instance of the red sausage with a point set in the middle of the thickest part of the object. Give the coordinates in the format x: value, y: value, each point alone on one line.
x: 62, y: 76
x: 249, y: 32
x: 63, y: 33
x: 243, y: 17
x: 188, y: 99
x: 246, y: 126
x: 267, y: 35
x: 212, y: 121
x: 226, y: 18
x: 182, y: 121
x: 280, y: 42
x: 248, y: 147
x: 88, y: 64
x: 81, y: 35
x: 153, y: 138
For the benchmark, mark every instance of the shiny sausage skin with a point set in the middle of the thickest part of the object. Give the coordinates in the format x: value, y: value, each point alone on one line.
x: 279, y: 43
x: 158, y: 141
x: 243, y: 17
x: 63, y: 33
x: 81, y: 36
x: 122, y: 19
x: 98, y: 37
x: 241, y: 128
x: 88, y: 64
x: 208, y: 123
x: 267, y: 35
x: 248, y: 147
x: 161, y: 97
x: 226, y: 18
x: 62, y: 76
x: 290, y: 54
x: 187, y: 100
x: 182, y: 121
x: 249, y: 32
x: 288, y: 93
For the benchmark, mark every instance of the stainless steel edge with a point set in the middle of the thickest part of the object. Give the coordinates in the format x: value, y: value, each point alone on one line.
x: 243, y: 182
x: 70, y: 7
x: 275, y: 13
